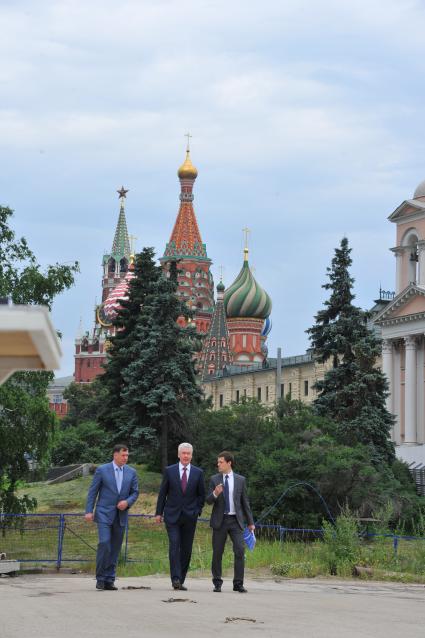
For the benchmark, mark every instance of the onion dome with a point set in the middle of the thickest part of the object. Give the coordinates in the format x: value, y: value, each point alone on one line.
x: 245, y: 297
x: 267, y: 327
x: 220, y: 287
x: 112, y: 303
x: 420, y: 190
x: 187, y: 169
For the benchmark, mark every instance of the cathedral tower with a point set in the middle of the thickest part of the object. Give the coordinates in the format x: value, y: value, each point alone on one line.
x: 247, y: 306
x: 195, y: 283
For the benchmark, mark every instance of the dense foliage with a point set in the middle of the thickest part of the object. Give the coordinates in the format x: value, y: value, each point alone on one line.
x: 276, y: 449
x: 354, y: 389
x: 26, y: 424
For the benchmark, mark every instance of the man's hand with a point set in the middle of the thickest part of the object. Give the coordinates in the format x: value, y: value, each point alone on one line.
x: 159, y: 518
x: 218, y: 489
x: 122, y: 505
x: 251, y: 528
x: 89, y: 517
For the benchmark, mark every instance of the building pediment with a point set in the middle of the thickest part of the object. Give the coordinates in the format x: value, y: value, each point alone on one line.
x: 407, y: 209
x: 409, y: 305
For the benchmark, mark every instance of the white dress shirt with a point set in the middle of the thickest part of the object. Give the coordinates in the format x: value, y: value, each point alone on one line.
x: 181, y: 467
x: 231, y: 489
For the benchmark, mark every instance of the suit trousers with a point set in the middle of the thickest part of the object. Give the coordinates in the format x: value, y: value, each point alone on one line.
x: 229, y: 527
x: 110, y: 540
x: 180, y: 541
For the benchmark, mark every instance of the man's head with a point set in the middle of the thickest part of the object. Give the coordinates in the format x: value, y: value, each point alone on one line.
x: 120, y: 453
x: 225, y: 462
x: 184, y: 452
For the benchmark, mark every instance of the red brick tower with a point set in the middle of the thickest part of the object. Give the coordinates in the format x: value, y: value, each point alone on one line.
x: 196, y: 285
x: 90, y: 347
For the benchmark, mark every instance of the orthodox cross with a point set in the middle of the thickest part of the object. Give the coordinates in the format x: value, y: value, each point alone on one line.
x: 188, y: 135
x: 221, y: 272
x: 246, y: 231
x: 132, y: 239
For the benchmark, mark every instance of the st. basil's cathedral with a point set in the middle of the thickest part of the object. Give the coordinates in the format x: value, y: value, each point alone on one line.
x: 234, y: 362
x: 234, y: 328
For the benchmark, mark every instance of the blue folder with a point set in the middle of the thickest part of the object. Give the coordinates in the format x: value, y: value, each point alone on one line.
x: 249, y: 538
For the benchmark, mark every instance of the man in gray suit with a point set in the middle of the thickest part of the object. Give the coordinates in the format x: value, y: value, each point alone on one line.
x: 227, y: 494
x: 115, y: 488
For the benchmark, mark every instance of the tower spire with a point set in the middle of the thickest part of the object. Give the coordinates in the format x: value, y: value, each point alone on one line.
x: 121, y: 243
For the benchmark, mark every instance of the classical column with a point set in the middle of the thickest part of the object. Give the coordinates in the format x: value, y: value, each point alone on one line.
x: 421, y: 263
x: 420, y: 407
x: 398, y: 253
x: 397, y: 392
x: 387, y: 369
x: 410, y: 390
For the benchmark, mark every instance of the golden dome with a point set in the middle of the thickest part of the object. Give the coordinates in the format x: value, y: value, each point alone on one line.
x: 187, y: 169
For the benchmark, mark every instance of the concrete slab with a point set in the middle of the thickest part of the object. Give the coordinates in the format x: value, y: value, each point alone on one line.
x: 65, y: 606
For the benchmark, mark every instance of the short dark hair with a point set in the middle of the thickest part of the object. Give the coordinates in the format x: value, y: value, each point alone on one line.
x: 227, y: 456
x: 118, y: 447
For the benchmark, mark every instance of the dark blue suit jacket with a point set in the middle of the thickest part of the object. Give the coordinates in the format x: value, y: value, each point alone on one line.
x: 104, y: 489
x: 171, y: 500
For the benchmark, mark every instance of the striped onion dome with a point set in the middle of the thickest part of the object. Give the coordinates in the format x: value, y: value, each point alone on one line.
x: 245, y: 297
x: 266, y: 327
x: 120, y: 292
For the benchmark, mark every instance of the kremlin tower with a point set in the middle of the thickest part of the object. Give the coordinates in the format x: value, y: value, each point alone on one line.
x: 247, y: 308
x: 90, y: 349
x: 195, y: 283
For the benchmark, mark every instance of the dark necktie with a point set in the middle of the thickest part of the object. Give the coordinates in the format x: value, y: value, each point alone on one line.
x: 226, y: 495
x: 184, y: 479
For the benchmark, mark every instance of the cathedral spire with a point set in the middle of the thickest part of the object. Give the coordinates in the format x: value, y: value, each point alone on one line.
x: 185, y: 240
x: 216, y: 353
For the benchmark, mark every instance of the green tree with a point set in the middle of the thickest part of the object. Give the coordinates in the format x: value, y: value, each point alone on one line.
x: 121, y: 352
x: 354, y: 390
x: 160, y: 382
x: 26, y: 423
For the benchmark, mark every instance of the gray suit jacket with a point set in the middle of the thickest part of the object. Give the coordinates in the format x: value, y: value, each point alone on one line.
x: 240, y: 498
x: 103, y: 492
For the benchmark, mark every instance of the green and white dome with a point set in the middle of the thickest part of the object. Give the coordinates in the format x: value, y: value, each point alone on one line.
x: 245, y: 297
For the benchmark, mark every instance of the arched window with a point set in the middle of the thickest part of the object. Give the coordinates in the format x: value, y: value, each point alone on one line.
x: 111, y: 265
x: 123, y: 265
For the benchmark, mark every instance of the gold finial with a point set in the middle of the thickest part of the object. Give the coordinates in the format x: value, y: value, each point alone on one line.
x: 221, y: 273
x: 188, y: 135
x: 245, y: 250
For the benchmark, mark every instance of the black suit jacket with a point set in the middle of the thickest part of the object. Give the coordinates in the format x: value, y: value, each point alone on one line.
x: 240, y: 498
x: 172, y: 502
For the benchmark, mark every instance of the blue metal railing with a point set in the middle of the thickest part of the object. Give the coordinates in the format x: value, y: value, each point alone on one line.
x: 66, y: 538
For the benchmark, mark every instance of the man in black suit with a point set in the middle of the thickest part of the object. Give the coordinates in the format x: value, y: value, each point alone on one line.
x: 227, y: 494
x: 180, y: 501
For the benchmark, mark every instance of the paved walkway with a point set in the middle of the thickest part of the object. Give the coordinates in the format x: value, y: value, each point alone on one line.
x: 65, y: 606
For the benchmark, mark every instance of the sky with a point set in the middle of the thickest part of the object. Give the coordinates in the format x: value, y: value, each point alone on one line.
x: 307, y: 124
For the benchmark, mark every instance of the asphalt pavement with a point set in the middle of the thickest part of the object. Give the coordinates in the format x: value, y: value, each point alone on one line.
x: 68, y: 606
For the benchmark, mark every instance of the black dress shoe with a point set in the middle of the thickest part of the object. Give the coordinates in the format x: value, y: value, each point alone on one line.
x: 100, y: 585
x: 110, y: 587
x: 240, y: 588
x: 176, y: 584
x: 217, y: 588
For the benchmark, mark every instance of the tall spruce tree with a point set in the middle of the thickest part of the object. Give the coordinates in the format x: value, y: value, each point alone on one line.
x: 353, y: 390
x: 120, y: 353
x: 159, y: 380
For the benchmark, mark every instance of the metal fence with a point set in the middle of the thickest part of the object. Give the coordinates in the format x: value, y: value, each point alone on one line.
x: 67, y: 539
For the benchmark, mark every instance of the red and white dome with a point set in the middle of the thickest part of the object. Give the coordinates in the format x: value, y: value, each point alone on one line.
x: 119, y: 293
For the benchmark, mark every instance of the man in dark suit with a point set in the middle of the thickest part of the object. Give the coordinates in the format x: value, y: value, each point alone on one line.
x: 180, y: 501
x: 115, y: 488
x: 227, y: 494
